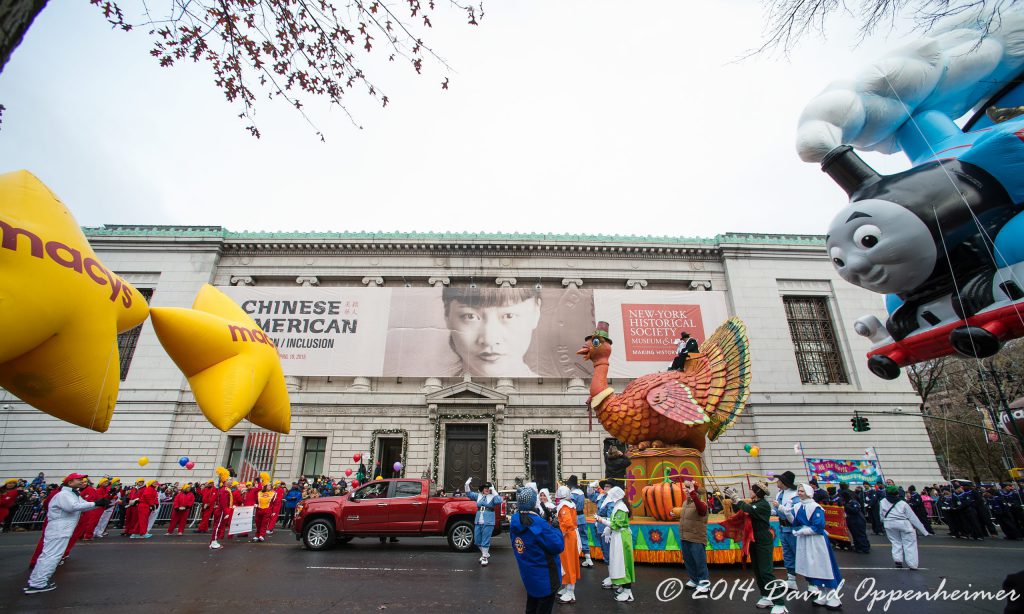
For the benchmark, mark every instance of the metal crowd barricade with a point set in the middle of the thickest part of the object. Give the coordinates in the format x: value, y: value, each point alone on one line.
x: 29, y: 518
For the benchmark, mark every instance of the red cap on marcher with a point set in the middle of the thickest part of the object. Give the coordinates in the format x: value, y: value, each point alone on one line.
x: 75, y: 476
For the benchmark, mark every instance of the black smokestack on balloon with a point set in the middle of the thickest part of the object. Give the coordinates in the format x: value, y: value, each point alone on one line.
x: 847, y: 169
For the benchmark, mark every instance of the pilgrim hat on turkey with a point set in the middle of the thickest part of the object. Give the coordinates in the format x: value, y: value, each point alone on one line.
x: 601, y: 331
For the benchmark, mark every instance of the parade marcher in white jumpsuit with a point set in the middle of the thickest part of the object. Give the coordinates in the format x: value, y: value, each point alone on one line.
x: 899, y: 522
x: 62, y: 518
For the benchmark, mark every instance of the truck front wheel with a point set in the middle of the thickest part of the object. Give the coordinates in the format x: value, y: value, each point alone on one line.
x: 460, y: 536
x: 318, y: 535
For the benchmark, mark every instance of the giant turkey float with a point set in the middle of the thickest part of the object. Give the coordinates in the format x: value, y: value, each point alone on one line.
x: 666, y: 419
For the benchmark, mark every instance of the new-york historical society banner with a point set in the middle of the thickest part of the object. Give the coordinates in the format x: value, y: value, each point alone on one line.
x: 485, y: 332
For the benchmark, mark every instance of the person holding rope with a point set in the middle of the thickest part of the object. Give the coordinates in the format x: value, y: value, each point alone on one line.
x: 487, y: 501
x: 762, y: 550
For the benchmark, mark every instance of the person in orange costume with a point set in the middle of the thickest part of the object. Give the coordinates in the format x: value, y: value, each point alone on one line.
x: 570, y: 556
x: 131, y: 508
x: 90, y: 519
x: 207, y: 495
x: 222, y: 505
x: 147, y: 501
x: 264, y: 507
x: 180, y: 507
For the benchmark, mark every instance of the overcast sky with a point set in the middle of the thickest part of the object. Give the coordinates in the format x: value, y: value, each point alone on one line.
x: 585, y: 116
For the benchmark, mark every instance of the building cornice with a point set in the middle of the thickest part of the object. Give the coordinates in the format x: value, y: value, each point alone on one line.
x: 496, y: 244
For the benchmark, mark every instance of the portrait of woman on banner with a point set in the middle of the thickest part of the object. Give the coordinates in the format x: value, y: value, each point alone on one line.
x: 482, y: 332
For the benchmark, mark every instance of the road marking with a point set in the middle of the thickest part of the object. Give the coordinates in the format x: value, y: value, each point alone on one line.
x: 881, y: 569
x: 383, y: 569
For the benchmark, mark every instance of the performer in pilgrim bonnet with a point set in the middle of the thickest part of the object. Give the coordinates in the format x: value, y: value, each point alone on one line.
x: 815, y: 559
x: 487, y: 501
x: 566, y: 514
x: 620, y: 546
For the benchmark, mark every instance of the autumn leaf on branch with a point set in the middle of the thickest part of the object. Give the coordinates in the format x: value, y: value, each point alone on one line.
x: 295, y: 50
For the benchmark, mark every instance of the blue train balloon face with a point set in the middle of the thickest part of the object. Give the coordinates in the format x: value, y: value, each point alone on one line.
x: 881, y: 246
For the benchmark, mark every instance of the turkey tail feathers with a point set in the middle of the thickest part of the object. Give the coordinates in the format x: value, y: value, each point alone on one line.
x: 727, y: 351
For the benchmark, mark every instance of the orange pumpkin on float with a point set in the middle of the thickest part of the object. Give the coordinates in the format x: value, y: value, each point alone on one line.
x: 661, y: 499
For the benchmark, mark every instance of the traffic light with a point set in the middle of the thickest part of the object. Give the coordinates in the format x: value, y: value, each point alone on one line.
x: 860, y: 424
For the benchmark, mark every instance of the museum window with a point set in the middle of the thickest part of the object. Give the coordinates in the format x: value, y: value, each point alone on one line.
x: 313, y: 456
x: 234, y: 451
x: 127, y: 340
x: 817, y: 352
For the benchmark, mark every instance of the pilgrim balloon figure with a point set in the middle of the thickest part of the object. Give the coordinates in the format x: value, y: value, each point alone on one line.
x: 944, y: 241
x: 61, y: 309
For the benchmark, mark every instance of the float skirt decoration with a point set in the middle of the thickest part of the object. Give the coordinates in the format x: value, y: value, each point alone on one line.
x: 658, y: 542
x: 654, y: 466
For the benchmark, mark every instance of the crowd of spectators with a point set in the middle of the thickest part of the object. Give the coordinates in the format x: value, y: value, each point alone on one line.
x: 25, y: 499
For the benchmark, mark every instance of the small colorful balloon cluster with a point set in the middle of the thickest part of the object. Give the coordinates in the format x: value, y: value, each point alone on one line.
x: 752, y: 450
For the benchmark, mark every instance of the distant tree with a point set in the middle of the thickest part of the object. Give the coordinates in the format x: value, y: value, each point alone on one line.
x: 288, y: 49
x: 963, y: 397
x: 790, y: 20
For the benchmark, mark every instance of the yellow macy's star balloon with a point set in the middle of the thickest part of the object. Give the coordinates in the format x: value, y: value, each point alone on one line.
x: 232, y: 366
x: 60, y: 308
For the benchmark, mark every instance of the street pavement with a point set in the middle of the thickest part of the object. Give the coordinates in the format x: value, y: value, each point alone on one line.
x: 180, y: 574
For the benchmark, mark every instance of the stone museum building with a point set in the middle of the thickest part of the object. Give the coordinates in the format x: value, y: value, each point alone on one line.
x: 377, y: 336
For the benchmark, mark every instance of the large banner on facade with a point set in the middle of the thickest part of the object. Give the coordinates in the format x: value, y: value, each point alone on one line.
x: 485, y: 332
x: 321, y: 331
x: 844, y: 471
x: 645, y: 325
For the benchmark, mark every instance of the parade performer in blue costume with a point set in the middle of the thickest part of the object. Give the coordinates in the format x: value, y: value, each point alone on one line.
x: 537, y: 546
x: 599, y: 496
x: 487, y: 501
x: 815, y: 559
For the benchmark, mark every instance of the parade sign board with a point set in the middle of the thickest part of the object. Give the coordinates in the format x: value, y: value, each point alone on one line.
x: 844, y: 470
x: 835, y: 523
x: 241, y: 520
x: 526, y: 331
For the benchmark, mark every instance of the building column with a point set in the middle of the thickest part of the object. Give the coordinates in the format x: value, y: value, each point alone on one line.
x: 242, y: 280
x: 506, y: 282
x: 700, y: 285
x: 307, y: 281
x: 636, y: 284
x: 439, y: 282
x: 572, y: 284
x: 373, y: 282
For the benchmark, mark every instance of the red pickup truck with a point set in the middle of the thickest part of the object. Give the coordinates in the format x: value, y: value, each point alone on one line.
x: 387, y: 508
